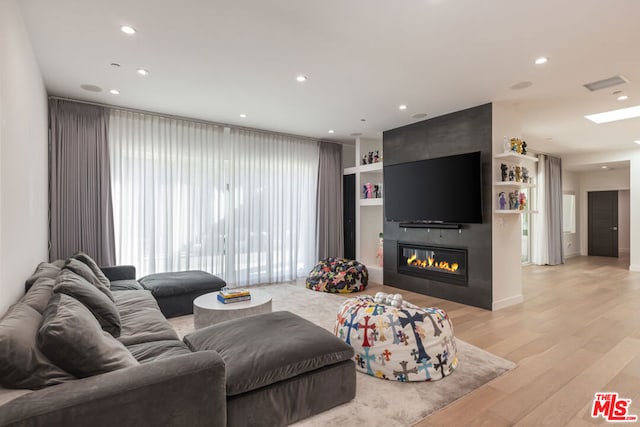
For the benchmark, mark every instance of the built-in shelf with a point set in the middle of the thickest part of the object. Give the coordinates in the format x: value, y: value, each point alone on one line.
x: 515, y: 157
x: 371, y: 202
x: 513, y: 184
x: 514, y: 211
x: 373, y: 167
x: 351, y: 170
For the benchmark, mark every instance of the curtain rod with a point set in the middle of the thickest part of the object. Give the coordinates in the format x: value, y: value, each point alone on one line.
x: 206, y: 122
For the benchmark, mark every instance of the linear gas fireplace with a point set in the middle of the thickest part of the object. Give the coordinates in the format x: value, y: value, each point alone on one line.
x: 433, y: 262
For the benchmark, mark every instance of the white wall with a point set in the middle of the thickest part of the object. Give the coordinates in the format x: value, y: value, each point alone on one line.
x: 23, y: 157
x: 624, y: 221
x: 571, y: 241
x: 506, y: 231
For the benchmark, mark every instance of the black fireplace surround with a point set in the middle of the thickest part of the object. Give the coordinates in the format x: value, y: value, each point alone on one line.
x: 444, y: 264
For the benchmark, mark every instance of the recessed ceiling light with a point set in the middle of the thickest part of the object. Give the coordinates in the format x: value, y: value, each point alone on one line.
x: 603, y: 167
x: 614, y: 115
x: 623, y: 98
x: 402, y: 107
x: 542, y: 60
x: 142, y: 72
x: 363, y: 120
x: 243, y: 115
x: 127, y: 29
x: 115, y: 64
x: 521, y: 85
x: 91, y: 88
x: 301, y: 78
x: 419, y: 115
x: 114, y: 92
x: 331, y: 131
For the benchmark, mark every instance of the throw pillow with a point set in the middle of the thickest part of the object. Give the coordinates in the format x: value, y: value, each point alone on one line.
x: 83, y: 270
x: 81, y: 256
x: 104, y: 310
x: 72, y: 338
x: 22, y: 364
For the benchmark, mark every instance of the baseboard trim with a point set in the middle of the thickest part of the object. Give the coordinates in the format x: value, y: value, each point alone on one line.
x: 506, y: 302
x: 633, y: 267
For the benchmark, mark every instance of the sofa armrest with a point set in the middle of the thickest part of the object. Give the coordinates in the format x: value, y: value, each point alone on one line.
x: 186, y: 390
x: 120, y: 272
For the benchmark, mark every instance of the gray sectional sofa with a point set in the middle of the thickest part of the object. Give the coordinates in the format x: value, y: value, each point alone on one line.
x: 266, y: 370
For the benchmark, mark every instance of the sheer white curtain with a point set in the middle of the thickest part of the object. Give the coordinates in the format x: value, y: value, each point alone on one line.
x: 539, y: 241
x: 236, y: 203
x: 273, y: 181
x: 168, y: 186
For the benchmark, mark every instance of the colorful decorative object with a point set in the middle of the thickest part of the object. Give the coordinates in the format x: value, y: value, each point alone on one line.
x: 523, y: 201
x: 396, y: 340
x: 338, y: 275
x: 502, y: 200
x: 368, y: 191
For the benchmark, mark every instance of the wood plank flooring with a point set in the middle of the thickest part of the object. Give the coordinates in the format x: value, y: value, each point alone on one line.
x: 577, y: 333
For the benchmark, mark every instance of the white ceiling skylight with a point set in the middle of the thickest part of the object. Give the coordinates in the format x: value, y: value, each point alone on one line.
x: 614, y: 115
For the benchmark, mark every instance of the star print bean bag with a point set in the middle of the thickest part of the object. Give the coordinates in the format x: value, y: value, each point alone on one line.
x: 338, y: 275
x: 407, y: 343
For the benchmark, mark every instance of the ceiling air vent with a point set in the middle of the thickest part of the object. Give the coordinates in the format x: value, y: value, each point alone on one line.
x: 603, y: 84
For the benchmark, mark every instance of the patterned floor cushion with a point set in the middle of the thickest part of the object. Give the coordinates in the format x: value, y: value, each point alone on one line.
x: 338, y: 275
x: 407, y: 343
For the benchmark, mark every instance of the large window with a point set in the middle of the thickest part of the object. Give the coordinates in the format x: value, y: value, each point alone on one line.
x: 235, y: 203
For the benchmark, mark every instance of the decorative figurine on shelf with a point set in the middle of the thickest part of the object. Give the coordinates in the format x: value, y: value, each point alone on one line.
x: 370, y: 157
x: 512, y: 174
x: 502, y: 200
x: 380, y: 252
x: 506, y: 145
x: 525, y: 175
x: 513, y: 199
x: 503, y: 170
x: 368, y: 190
x: 524, y: 148
x: 523, y: 201
x: 516, y: 145
x: 376, y: 191
x: 376, y: 156
x: 364, y: 159
x: 518, y: 174
x: 516, y: 196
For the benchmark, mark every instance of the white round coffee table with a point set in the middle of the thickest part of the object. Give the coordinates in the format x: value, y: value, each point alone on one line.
x: 207, y: 310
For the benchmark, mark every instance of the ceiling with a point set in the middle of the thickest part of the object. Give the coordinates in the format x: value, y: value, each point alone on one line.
x: 214, y: 60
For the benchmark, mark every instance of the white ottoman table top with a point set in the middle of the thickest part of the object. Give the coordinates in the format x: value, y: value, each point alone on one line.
x: 207, y: 310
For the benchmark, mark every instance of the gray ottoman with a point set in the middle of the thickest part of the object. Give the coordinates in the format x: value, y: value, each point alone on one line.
x: 176, y: 291
x: 280, y: 368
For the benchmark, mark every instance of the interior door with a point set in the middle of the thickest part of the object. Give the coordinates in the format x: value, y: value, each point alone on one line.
x: 603, y: 223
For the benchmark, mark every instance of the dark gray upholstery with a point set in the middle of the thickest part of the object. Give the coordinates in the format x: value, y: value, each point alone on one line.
x: 39, y: 294
x: 81, y: 256
x: 126, y: 285
x: 176, y: 291
x: 44, y: 269
x: 72, y: 339
x: 180, y: 391
x: 157, y: 350
x: 83, y: 270
x: 95, y: 300
x: 141, y: 319
x: 119, y: 272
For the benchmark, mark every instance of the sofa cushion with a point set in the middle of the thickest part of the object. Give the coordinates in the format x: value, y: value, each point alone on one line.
x: 266, y: 348
x: 141, y: 319
x: 83, y: 270
x: 126, y: 285
x: 181, y: 282
x: 97, y: 302
x: 81, y: 256
x: 72, y: 338
x: 22, y: 364
x: 44, y: 269
x: 39, y: 294
x: 157, y: 350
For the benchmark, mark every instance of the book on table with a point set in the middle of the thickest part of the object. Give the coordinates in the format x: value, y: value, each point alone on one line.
x: 234, y: 293
x: 233, y: 299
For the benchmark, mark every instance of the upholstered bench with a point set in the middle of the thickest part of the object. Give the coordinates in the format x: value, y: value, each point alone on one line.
x: 280, y: 367
x: 176, y: 291
x: 405, y: 343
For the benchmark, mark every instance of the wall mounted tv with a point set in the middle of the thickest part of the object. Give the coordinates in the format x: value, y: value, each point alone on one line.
x: 440, y: 190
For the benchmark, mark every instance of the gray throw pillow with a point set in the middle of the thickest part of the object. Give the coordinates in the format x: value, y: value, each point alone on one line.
x: 44, y: 269
x: 22, y: 364
x: 72, y: 338
x: 81, y: 256
x: 84, y: 271
x: 98, y: 303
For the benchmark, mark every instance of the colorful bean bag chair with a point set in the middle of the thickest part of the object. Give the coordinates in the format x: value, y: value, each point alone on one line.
x: 338, y: 275
x: 407, y: 343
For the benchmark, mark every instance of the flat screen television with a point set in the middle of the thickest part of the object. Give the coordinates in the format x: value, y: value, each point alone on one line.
x: 440, y: 190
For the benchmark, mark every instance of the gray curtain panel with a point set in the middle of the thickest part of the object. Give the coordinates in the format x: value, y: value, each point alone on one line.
x: 80, y: 209
x: 553, y: 183
x: 329, y: 202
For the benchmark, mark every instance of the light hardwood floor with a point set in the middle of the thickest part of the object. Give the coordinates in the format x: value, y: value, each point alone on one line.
x: 577, y: 333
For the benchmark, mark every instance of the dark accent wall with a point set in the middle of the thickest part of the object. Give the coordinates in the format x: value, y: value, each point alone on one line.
x: 456, y: 133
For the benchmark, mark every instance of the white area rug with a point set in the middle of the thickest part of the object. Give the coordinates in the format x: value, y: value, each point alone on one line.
x: 380, y: 402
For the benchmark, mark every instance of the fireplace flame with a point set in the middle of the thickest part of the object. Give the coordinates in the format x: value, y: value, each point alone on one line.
x: 431, y: 263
